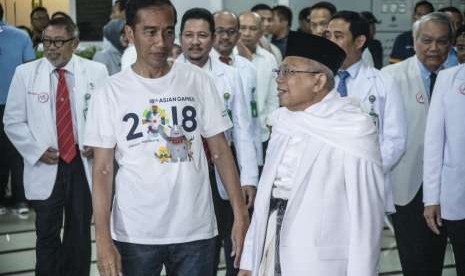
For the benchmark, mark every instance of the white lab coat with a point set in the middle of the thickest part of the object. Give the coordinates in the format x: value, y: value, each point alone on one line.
x: 444, y: 163
x: 267, y: 90
x: 248, y: 75
x: 30, y: 124
x: 407, y: 174
x: 334, y: 217
x: 228, y: 82
x: 388, y: 111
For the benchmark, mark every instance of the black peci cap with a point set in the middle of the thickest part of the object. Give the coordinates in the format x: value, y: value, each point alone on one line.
x: 316, y: 48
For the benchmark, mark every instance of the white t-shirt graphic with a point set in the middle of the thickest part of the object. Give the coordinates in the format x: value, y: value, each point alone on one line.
x: 162, y: 191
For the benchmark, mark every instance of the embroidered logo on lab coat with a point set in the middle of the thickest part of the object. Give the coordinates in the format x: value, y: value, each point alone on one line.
x: 420, y: 98
x: 43, y: 97
x: 462, y: 89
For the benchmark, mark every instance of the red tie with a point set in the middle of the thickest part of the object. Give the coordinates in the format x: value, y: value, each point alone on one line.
x: 64, y: 120
x: 225, y: 60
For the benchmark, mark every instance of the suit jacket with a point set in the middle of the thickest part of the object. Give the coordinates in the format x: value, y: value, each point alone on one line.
x: 444, y: 164
x: 30, y: 120
x: 407, y: 175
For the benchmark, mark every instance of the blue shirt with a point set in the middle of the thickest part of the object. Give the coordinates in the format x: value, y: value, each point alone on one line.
x: 451, y: 60
x: 15, y: 49
x: 425, y: 74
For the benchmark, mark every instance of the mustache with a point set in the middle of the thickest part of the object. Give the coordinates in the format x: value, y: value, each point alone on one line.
x: 192, y: 48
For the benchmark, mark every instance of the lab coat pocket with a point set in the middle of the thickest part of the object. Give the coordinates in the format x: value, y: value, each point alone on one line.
x: 333, y: 252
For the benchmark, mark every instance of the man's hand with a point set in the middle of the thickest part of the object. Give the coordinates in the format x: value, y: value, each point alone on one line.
x: 244, y: 273
x: 108, y: 259
x: 243, y: 50
x: 249, y: 192
x: 432, y: 215
x: 50, y: 156
x: 238, y: 232
x: 88, y: 152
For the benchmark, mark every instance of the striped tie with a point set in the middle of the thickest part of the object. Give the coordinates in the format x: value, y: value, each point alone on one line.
x: 64, y: 120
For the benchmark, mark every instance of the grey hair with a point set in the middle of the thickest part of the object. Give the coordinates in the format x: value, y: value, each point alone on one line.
x: 437, y: 17
x: 330, y: 82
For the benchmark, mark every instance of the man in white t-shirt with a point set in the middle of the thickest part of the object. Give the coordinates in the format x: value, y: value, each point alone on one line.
x: 154, y: 115
x: 197, y: 37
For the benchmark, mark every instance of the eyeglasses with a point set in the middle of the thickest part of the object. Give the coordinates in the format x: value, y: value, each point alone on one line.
x: 229, y: 32
x: 286, y: 73
x: 57, y: 42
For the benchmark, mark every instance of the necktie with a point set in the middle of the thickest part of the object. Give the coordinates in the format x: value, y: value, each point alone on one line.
x: 342, y: 87
x: 225, y: 60
x: 64, y: 120
x: 432, y: 81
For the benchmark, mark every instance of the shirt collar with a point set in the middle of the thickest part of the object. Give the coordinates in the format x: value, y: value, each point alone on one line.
x: 207, y: 67
x: 354, y: 69
x: 215, y: 54
x: 69, y: 67
x: 424, y: 70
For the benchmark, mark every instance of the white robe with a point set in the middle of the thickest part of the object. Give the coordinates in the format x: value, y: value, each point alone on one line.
x: 334, y: 217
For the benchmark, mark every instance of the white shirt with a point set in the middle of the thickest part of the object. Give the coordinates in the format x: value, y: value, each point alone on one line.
x: 69, y: 78
x: 162, y: 193
x: 282, y: 185
x: 267, y: 91
x: 129, y: 57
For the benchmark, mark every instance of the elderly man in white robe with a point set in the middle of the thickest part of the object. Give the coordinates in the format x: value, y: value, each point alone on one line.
x: 320, y: 202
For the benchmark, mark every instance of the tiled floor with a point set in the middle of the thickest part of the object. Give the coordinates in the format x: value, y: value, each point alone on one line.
x: 17, y: 252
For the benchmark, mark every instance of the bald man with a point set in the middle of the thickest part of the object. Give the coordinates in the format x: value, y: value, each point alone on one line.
x: 250, y: 28
x: 226, y: 39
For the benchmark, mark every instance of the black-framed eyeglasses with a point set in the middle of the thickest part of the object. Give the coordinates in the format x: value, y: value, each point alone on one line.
x: 56, y: 42
x: 229, y: 32
x: 286, y: 73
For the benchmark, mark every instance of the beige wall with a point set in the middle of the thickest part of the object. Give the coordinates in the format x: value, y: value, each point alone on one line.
x: 17, y: 11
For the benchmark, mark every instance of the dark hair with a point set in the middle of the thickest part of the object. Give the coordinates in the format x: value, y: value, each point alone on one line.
x: 424, y: 3
x: 38, y: 9
x: 284, y: 13
x: 358, y: 25
x: 304, y: 13
x: 61, y: 14
x: 199, y: 13
x: 260, y: 7
x: 450, y: 9
x: 1, y: 11
x: 64, y: 22
x: 370, y: 17
x: 460, y: 31
x: 324, y: 5
x: 133, y: 6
